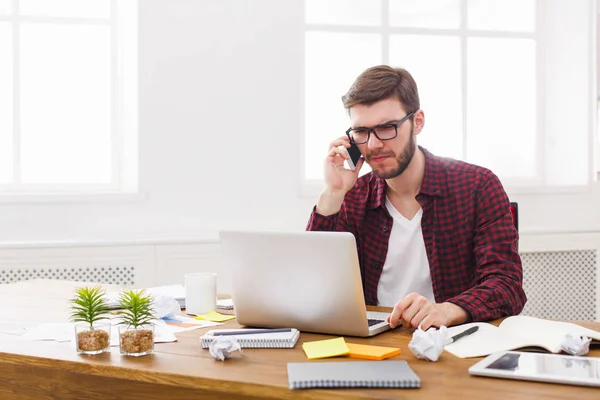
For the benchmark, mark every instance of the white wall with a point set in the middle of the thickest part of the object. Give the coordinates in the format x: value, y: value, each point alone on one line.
x: 220, y: 128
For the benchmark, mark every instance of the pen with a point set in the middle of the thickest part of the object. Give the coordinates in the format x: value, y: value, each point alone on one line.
x: 467, y: 332
x: 250, y: 331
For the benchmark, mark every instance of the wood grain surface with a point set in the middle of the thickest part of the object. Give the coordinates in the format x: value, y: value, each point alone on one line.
x: 183, y: 370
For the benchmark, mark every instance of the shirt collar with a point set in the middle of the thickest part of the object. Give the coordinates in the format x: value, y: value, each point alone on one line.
x: 434, y: 181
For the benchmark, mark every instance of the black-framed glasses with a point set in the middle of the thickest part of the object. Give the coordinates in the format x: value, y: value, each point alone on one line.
x: 382, y: 132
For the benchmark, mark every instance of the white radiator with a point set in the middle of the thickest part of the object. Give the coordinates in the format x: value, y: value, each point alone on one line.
x: 561, y: 275
x: 115, y: 274
x: 129, y: 265
x: 561, y: 284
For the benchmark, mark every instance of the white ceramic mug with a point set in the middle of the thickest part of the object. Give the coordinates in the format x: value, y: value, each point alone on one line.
x: 200, y: 292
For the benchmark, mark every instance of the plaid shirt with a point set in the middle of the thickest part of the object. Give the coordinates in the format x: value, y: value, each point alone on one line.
x: 469, y: 235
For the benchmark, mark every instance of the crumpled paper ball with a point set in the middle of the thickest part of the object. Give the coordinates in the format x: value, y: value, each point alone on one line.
x: 165, y: 306
x: 575, y: 345
x: 429, y: 344
x: 222, y: 346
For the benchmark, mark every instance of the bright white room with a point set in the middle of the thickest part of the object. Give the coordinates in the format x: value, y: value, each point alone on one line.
x: 132, y: 132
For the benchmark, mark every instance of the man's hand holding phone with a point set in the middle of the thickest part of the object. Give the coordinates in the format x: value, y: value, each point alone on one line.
x: 338, y: 179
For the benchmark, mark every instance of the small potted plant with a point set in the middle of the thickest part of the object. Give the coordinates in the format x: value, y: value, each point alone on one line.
x: 136, y: 331
x: 87, y: 310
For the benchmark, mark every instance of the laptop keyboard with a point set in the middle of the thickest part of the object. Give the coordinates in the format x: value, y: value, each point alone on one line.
x: 374, y: 321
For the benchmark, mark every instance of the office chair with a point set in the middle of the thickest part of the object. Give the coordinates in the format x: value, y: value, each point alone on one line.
x: 514, y: 209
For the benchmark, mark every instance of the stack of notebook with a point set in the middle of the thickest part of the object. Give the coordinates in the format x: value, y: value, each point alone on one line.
x: 352, y: 374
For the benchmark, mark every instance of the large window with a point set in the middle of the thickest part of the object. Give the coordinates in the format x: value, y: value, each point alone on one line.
x: 493, y: 77
x: 597, y: 93
x: 68, y: 109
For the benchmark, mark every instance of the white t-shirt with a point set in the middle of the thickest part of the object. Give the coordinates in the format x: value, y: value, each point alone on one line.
x: 406, y: 267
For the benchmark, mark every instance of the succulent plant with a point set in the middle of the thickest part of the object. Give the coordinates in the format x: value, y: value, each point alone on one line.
x: 137, y: 308
x: 89, y: 305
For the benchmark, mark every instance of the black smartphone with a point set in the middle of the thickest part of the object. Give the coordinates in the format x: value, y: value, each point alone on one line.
x: 354, y: 154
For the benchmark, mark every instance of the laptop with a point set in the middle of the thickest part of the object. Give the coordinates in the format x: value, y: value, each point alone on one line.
x: 305, y: 280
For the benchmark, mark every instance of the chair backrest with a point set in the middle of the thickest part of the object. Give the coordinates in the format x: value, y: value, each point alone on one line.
x: 514, y: 209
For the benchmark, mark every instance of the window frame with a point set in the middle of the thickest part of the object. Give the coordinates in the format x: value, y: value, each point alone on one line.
x: 595, y: 75
x: 123, y: 128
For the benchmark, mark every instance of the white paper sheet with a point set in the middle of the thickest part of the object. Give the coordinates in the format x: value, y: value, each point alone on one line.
x: 65, y: 332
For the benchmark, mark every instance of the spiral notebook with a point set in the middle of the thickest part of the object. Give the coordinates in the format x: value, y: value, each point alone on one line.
x: 352, y: 374
x: 271, y: 340
x: 225, y: 304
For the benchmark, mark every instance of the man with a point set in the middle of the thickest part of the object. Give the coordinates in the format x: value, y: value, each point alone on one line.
x: 435, y: 236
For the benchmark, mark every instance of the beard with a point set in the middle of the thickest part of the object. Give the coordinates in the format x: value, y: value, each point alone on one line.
x: 403, y: 160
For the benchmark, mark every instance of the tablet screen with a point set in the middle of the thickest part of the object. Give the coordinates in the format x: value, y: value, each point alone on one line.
x: 539, y: 364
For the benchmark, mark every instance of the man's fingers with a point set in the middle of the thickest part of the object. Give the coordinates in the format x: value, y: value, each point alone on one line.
x: 427, y: 322
x: 338, y: 152
x: 341, y: 141
x: 419, y: 317
x: 418, y: 303
x: 394, y: 317
x: 398, y: 310
x: 409, y: 313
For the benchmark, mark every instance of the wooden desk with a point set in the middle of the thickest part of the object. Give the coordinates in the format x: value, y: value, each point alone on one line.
x: 183, y: 370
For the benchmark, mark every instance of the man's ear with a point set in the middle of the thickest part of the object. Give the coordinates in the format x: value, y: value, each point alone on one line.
x: 419, y: 121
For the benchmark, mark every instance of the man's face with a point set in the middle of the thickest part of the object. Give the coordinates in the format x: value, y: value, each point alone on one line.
x: 387, y: 158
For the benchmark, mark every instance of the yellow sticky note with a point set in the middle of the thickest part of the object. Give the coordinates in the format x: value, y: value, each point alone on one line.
x: 369, y: 352
x: 214, y: 317
x: 325, y: 348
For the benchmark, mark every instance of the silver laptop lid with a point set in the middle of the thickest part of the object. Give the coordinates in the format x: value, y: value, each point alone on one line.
x: 305, y: 280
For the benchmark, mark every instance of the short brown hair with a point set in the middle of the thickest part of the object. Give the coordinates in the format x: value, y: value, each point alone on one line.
x: 380, y: 83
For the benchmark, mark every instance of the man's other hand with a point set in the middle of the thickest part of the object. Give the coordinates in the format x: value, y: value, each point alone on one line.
x: 415, y: 310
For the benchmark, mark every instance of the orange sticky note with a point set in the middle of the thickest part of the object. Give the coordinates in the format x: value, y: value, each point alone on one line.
x: 369, y: 352
x: 325, y: 348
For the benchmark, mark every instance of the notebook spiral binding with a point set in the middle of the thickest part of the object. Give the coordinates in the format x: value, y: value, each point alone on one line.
x: 258, y: 342
x: 352, y: 374
x: 354, y: 384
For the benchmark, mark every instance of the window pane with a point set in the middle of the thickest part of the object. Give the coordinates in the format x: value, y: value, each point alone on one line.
x: 332, y: 65
x: 504, y: 15
x: 65, y: 106
x: 67, y: 8
x: 5, y: 6
x: 437, y: 72
x: 567, y: 84
x: 501, y: 106
x: 6, y: 103
x: 436, y: 14
x: 343, y: 12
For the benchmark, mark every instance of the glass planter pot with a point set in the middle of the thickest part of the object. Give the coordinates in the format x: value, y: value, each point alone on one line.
x: 92, y: 340
x: 136, y: 341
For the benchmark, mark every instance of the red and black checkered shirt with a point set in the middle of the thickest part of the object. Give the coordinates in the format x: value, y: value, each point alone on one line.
x: 469, y: 234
